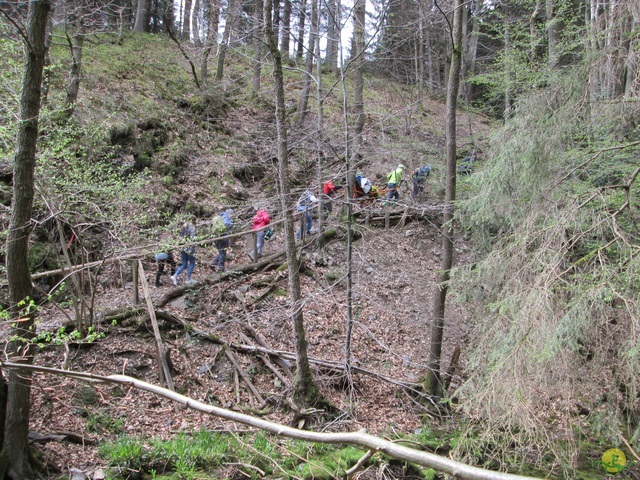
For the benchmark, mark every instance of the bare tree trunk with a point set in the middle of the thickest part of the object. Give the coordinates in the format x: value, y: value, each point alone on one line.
x: 358, y: 62
x: 169, y: 14
x: 470, y: 31
x: 15, y: 455
x: 196, y: 23
x: 211, y: 42
x: 141, y: 24
x: 333, y: 34
x: 508, y: 100
x: 305, y: 391
x: 431, y: 61
x: 76, y: 45
x: 434, y: 383
x: 306, y: 81
x: 319, y: 122
x: 226, y: 39
x: 186, y: 24
x: 420, y: 53
x: 632, y: 82
x: 286, y: 28
x: 554, y: 28
x: 301, y: 26
x: 472, y: 50
x: 258, y: 49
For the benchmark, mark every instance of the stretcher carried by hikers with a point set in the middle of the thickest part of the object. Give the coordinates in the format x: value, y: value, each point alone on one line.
x: 364, y: 191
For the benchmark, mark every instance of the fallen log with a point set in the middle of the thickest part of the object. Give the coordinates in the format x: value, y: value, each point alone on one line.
x: 223, y: 276
x: 360, y: 439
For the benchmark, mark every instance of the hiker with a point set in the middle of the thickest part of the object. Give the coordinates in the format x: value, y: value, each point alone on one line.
x: 305, y: 205
x: 329, y: 190
x: 393, y: 182
x: 260, y: 219
x: 164, y: 257
x: 221, y: 226
x: 468, y: 164
x: 418, y: 177
x: 188, y: 234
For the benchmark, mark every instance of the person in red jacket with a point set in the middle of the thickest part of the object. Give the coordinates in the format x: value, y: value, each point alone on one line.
x: 260, y: 219
x: 329, y: 190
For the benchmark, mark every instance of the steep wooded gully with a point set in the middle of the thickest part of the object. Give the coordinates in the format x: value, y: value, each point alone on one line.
x: 228, y: 342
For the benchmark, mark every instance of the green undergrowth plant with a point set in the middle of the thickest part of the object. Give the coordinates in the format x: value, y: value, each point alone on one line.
x: 206, y: 455
x: 553, y: 348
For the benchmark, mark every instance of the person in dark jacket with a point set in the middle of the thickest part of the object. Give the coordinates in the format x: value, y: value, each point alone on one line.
x: 164, y: 257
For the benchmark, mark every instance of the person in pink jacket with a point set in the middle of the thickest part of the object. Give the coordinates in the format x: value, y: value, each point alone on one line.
x: 260, y: 219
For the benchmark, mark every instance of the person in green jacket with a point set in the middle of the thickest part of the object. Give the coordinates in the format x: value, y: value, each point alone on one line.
x: 393, y: 182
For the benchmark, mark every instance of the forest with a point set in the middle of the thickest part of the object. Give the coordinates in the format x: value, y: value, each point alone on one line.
x: 479, y: 320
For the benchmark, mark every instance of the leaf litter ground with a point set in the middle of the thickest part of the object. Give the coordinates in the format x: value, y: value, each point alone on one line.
x: 394, y: 274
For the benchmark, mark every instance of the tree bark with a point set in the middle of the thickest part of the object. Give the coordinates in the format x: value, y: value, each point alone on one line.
x: 141, y: 24
x: 286, y: 28
x: 211, y: 41
x: 226, y: 38
x: 434, y: 383
x: 305, y: 391
x: 306, y: 81
x: 470, y: 51
x: 359, y: 13
x: 77, y: 43
x: 258, y: 50
x: 302, y: 14
x: 333, y: 35
x: 14, y: 457
x: 554, y: 28
x: 186, y: 24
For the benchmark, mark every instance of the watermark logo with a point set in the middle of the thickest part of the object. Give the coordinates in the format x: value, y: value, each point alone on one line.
x: 614, y: 461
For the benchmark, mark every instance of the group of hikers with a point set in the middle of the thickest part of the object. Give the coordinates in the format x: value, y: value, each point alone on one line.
x: 220, y: 226
x: 306, y: 204
x: 364, y: 189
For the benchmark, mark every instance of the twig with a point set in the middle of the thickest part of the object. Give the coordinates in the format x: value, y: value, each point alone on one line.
x: 633, y: 452
x: 167, y: 24
x: 230, y: 355
x: 366, y: 441
x: 359, y: 464
x: 266, y: 361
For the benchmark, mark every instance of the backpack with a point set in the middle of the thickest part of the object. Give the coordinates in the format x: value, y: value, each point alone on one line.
x: 268, y: 234
x: 467, y: 166
x: 218, y: 226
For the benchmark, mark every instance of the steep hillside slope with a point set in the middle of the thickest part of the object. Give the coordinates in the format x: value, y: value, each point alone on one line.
x: 200, y: 153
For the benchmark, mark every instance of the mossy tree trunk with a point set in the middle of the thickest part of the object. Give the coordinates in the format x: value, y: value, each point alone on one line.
x: 15, y: 459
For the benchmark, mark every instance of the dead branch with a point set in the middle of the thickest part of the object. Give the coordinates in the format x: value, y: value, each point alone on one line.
x: 214, y: 279
x: 284, y: 365
x: 267, y: 362
x: 36, y: 437
x: 361, y: 438
x: 359, y: 464
x: 232, y: 358
x: 165, y: 373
